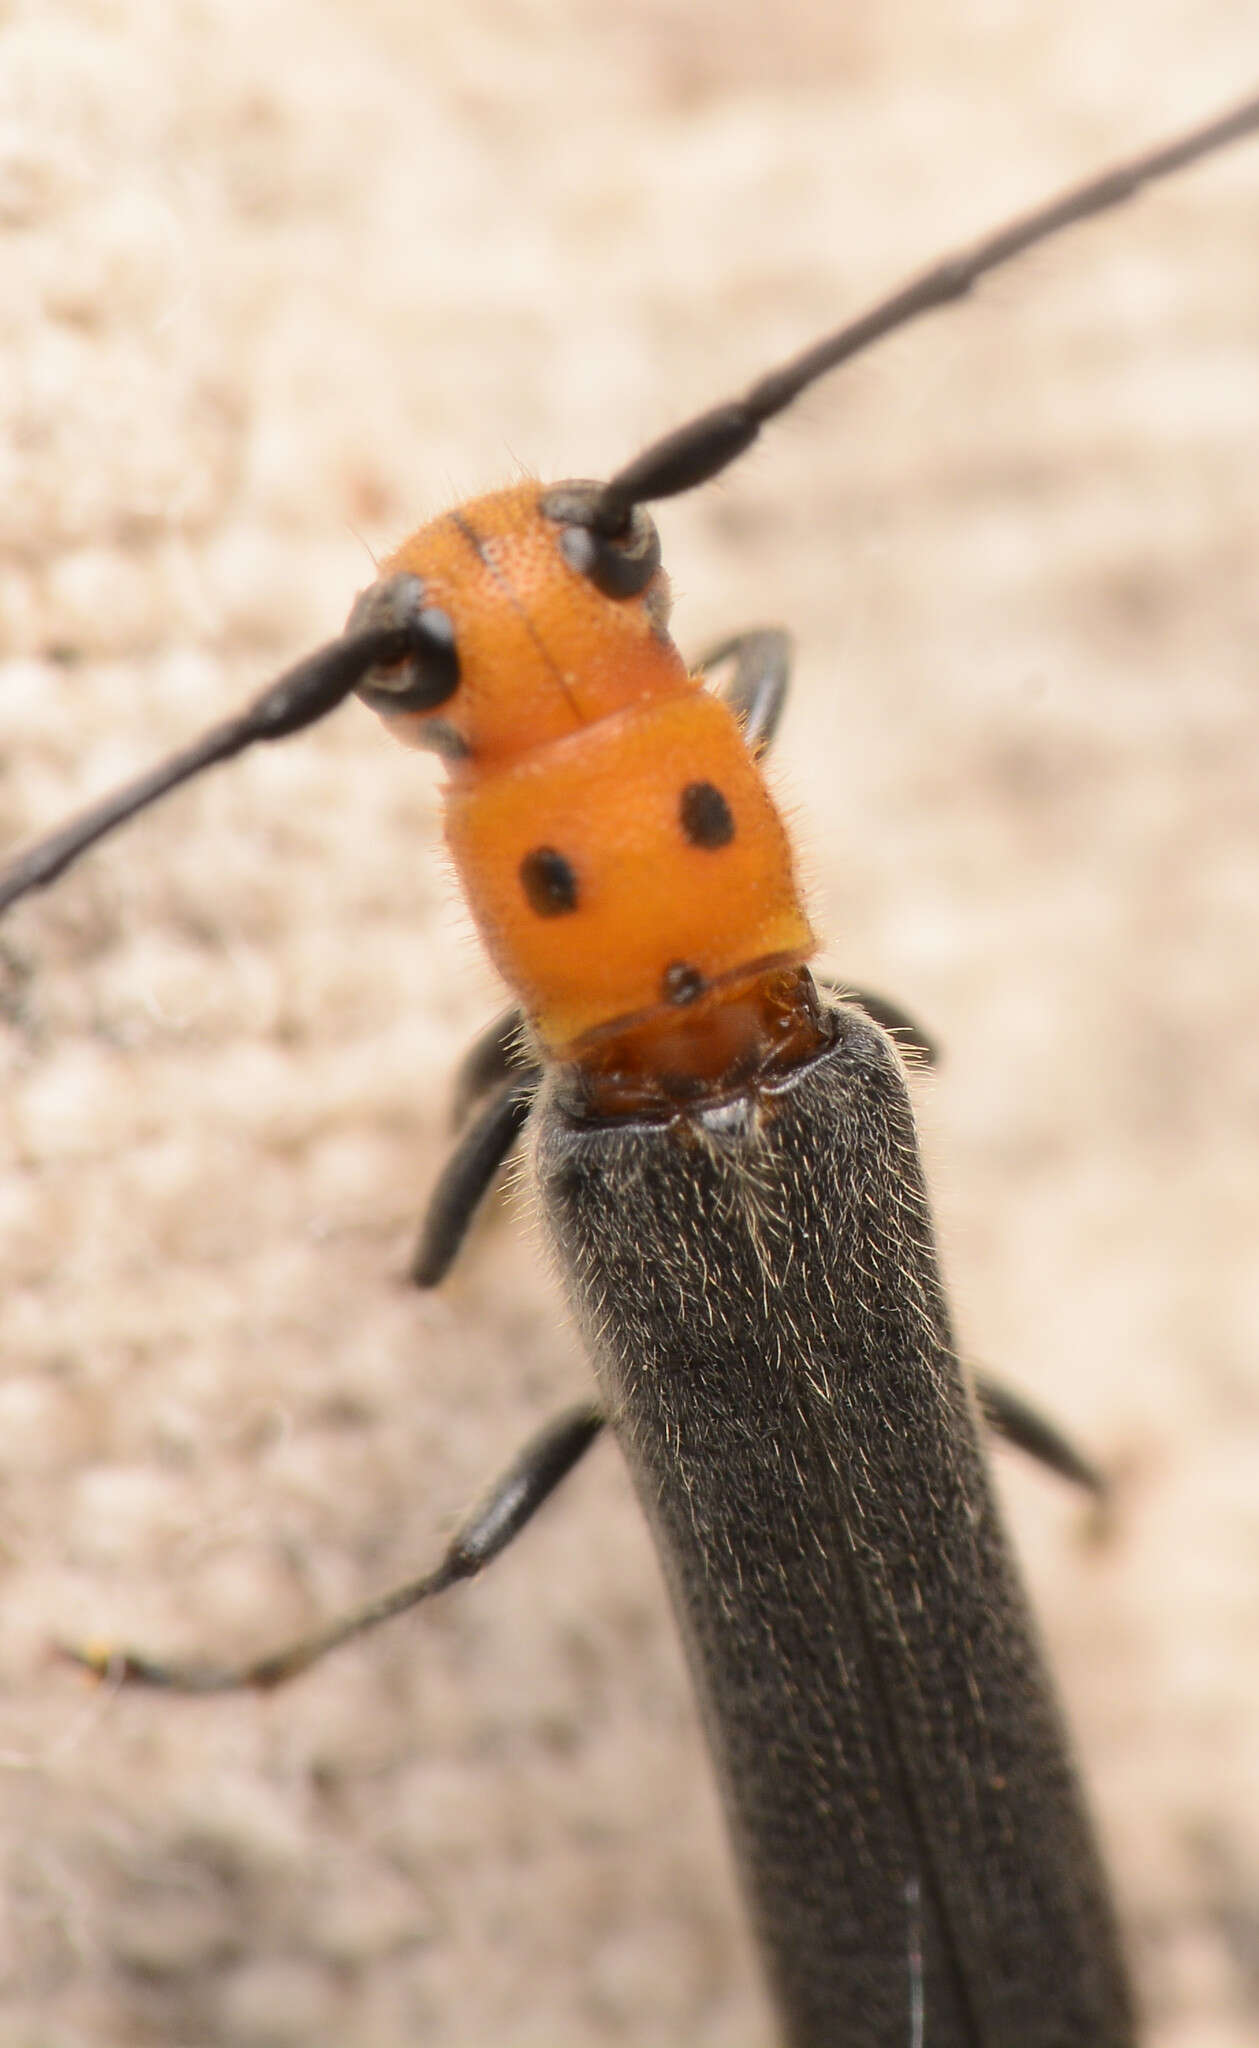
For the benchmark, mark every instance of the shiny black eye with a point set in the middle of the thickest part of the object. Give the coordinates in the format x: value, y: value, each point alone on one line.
x: 618, y: 564
x: 429, y: 674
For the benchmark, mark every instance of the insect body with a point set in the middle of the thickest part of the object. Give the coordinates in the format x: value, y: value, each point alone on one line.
x: 728, y: 1165
x: 798, y: 1426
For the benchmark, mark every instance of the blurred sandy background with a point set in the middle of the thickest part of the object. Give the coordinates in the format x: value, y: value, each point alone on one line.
x: 278, y: 280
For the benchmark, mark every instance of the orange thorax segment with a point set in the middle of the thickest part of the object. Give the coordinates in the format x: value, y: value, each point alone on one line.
x: 625, y: 869
x: 542, y: 652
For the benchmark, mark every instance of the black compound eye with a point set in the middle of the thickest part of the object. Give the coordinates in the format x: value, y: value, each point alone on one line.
x: 429, y: 674
x: 549, y: 883
x: 706, y: 816
x: 618, y: 564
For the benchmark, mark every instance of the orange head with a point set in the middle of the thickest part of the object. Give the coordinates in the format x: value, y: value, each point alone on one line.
x: 619, y: 850
x: 546, y: 629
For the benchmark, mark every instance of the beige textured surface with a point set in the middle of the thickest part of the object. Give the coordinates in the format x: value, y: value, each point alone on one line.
x: 276, y: 281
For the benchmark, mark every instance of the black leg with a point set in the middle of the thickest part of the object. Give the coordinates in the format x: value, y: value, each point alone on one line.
x: 468, y: 1176
x: 757, y: 691
x: 498, y: 1518
x: 499, y: 1053
x: 1028, y: 1430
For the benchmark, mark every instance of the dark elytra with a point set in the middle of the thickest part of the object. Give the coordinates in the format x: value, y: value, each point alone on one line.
x: 890, y: 1754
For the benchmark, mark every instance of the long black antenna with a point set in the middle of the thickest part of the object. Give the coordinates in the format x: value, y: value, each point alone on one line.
x: 691, y: 455
x: 701, y: 449
x: 303, y: 694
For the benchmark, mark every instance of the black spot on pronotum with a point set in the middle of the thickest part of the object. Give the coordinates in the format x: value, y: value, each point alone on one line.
x: 681, y: 984
x: 548, y: 881
x: 706, y: 816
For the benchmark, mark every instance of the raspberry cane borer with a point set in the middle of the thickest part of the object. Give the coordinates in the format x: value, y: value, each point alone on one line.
x: 727, y: 1163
